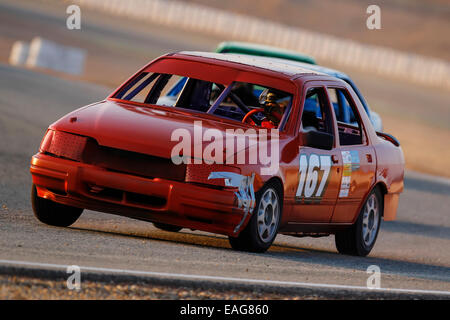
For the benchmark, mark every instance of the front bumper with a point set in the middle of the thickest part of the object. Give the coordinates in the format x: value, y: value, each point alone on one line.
x: 156, y: 200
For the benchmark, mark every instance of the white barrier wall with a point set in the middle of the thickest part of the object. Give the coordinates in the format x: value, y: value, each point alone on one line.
x: 19, y: 53
x: 197, y: 18
x: 47, y: 54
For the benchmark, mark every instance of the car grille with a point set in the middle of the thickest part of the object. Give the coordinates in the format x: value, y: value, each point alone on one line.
x: 87, y: 150
x: 132, y: 162
x: 125, y: 197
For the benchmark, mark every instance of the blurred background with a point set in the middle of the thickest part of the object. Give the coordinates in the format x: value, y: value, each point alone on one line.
x: 401, y: 69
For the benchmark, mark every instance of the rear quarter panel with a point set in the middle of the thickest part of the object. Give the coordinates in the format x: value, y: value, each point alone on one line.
x: 389, y: 173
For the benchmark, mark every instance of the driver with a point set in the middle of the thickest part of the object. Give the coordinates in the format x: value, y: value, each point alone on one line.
x: 273, y: 111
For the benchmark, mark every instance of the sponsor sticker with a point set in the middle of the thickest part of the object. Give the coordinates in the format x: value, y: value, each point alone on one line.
x: 350, y: 160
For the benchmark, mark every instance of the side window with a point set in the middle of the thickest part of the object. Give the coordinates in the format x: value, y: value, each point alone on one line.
x: 316, y: 114
x: 349, y: 123
x: 317, y: 121
x: 332, y: 95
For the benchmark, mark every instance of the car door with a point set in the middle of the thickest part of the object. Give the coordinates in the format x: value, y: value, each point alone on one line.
x: 319, y: 161
x: 358, y: 156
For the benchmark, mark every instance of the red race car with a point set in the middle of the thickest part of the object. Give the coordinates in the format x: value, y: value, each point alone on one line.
x: 248, y: 148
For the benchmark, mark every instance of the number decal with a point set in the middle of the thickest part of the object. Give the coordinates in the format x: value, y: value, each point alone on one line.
x: 313, y: 176
x: 302, y: 175
x: 325, y: 165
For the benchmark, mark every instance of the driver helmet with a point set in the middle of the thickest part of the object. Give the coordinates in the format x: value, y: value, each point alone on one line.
x: 268, y: 99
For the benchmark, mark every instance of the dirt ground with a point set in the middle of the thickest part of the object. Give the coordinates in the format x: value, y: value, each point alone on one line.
x: 19, y: 288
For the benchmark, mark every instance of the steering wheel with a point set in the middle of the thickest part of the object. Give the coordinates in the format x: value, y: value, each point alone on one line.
x: 250, y: 118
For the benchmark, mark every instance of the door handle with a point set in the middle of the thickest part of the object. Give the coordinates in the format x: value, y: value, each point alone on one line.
x: 334, y: 159
x: 369, y: 157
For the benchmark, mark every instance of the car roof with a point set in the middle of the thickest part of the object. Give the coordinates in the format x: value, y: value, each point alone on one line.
x: 315, y: 67
x: 331, y: 72
x: 270, y: 64
x: 262, y: 50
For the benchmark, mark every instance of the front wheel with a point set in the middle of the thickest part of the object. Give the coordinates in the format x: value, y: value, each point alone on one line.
x: 262, y: 228
x: 360, y: 238
x: 52, y: 213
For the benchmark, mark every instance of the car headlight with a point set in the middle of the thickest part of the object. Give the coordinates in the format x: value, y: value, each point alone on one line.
x: 63, y: 144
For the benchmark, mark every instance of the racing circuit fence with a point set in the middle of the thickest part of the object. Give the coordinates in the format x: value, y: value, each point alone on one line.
x: 232, y: 26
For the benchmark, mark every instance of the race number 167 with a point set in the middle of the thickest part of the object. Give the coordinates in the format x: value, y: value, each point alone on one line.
x: 311, y: 183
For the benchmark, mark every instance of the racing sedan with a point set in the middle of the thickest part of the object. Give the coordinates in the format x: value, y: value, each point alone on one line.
x: 249, y: 148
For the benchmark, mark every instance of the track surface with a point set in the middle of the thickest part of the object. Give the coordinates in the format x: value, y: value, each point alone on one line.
x: 412, y: 252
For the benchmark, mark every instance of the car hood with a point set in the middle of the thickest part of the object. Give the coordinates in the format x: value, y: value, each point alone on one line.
x: 134, y: 128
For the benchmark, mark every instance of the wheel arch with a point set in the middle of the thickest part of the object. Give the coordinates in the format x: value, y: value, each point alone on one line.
x: 383, y: 190
x: 279, y: 183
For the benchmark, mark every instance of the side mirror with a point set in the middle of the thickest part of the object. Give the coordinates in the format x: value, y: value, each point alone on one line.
x: 318, y: 139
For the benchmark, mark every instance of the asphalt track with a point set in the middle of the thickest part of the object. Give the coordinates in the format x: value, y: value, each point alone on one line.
x: 412, y: 252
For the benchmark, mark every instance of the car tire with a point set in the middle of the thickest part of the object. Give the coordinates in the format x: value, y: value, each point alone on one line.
x: 262, y: 228
x: 361, y: 237
x: 167, y: 227
x: 52, y: 213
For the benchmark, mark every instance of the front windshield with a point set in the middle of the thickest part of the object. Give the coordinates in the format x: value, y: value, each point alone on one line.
x: 257, y: 105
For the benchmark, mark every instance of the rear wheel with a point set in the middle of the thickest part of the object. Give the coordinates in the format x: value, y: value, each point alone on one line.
x: 361, y: 237
x: 167, y: 227
x: 262, y: 228
x: 52, y: 213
